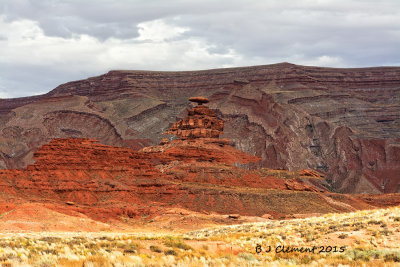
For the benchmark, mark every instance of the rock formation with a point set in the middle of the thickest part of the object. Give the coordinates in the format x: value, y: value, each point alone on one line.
x: 343, y: 122
x: 201, y: 122
x: 106, y: 182
x: 199, y: 141
x: 78, y: 176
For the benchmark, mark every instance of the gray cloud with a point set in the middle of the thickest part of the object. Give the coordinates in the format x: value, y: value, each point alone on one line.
x: 44, y: 43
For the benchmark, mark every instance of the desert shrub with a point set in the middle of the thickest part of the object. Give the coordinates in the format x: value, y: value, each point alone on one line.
x: 392, y: 257
x: 363, y: 255
x: 106, y: 238
x: 170, y: 252
x: 307, y: 260
x: 45, y: 261
x: 309, y: 237
x: 246, y: 256
x: 129, y: 251
x: 74, y: 242
x: 358, y: 224
x: 14, y: 244
x: 50, y: 239
x: 386, y: 232
x: 182, y: 245
x: 92, y: 245
x: 127, y: 247
x: 121, y: 245
x: 342, y: 236
x: 50, y: 251
x: 8, y: 256
x: 171, y: 242
x: 155, y: 249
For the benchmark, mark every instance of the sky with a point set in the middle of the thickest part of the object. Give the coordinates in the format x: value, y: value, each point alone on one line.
x: 44, y: 43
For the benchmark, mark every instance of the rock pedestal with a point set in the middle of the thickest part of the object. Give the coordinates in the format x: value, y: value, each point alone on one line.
x: 200, y: 123
x: 198, y: 140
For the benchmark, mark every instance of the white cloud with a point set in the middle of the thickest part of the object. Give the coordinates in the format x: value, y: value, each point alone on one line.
x: 159, y: 46
x: 158, y: 30
x: 45, y: 43
x: 329, y: 61
x: 26, y: 44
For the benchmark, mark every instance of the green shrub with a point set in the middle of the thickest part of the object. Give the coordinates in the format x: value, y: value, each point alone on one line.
x: 364, y: 255
x: 170, y: 242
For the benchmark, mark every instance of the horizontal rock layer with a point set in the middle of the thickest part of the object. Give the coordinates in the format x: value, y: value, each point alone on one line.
x: 105, y: 182
x: 344, y: 122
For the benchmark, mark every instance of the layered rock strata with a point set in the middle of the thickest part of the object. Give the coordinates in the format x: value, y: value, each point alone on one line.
x: 200, y: 123
x: 343, y: 122
x: 81, y: 176
x: 197, y: 173
x: 100, y: 180
x: 199, y: 141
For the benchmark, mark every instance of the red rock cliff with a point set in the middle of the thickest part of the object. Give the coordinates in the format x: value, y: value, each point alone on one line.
x: 201, y: 122
x: 344, y: 122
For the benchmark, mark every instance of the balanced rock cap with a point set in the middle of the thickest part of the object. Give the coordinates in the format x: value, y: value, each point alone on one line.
x: 199, y: 100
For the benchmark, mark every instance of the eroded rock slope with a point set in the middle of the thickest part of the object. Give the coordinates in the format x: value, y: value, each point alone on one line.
x: 197, y: 172
x: 344, y: 122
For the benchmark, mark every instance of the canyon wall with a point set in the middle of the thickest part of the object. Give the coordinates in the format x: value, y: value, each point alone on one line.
x: 343, y: 122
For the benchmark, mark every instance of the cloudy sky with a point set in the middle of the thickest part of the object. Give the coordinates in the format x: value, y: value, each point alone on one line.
x: 44, y: 43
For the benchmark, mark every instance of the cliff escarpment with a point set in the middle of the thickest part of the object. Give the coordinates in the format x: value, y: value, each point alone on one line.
x: 343, y: 122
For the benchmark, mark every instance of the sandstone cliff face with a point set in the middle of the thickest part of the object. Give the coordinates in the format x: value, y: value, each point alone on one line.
x: 81, y: 176
x: 106, y: 182
x: 344, y: 122
x: 195, y: 172
x: 199, y: 141
x: 201, y: 122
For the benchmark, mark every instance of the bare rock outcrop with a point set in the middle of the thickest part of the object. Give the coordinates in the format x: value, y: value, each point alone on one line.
x: 199, y: 140
x: 343, y: 122
x: 196, y: 173
x: 82, y: 176
x: 201, y: 122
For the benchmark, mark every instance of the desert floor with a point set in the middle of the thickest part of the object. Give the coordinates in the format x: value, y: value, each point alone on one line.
x: 370, y: 237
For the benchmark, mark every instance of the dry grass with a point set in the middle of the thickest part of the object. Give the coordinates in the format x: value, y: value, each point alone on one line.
x: 364, y: 237
x: 283, y: 174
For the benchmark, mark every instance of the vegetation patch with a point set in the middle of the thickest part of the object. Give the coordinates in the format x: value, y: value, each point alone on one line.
x: 359, y: 238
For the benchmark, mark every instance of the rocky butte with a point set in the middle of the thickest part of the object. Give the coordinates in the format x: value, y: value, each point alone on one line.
x: 200, y: 123
x: 197, y: 173
x: 199, y: 140
x: 344, y: 123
